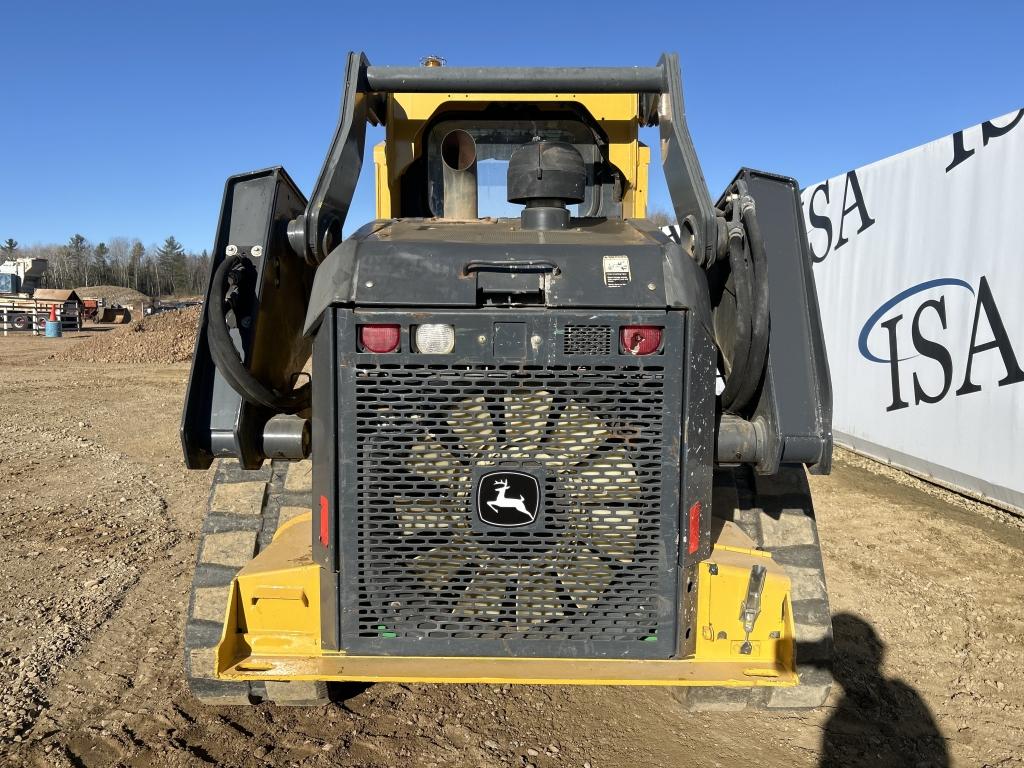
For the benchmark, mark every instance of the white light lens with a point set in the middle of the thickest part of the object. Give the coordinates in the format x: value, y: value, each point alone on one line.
x: 435, y: 339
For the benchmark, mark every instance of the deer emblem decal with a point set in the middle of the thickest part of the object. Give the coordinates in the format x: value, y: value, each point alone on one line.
x: 498, y: 507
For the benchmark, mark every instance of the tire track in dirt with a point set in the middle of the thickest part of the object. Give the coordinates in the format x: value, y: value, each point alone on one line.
x: 100, y: 541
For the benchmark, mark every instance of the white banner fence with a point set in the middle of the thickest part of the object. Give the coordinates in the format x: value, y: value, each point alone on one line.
x: 919, y: 265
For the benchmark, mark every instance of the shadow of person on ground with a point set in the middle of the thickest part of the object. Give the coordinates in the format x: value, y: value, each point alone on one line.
x: 878, y: 722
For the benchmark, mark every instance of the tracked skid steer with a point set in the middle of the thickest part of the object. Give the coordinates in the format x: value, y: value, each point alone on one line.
x: 510, y: 430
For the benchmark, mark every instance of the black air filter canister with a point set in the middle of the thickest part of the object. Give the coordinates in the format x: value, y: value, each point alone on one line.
x: 545, y: 176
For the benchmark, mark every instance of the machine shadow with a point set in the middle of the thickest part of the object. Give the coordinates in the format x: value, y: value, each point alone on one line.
x: 879, y: 721
x: 340, y: 693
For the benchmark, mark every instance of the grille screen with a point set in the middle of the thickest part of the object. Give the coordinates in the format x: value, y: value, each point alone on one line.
x: 588, y: 340
x: 427, y: 568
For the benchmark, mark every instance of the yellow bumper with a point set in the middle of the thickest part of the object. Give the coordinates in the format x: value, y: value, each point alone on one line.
x: 272, y: 631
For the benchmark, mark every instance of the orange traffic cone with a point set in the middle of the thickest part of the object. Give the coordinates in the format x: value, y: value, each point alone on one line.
x: 53, y: 313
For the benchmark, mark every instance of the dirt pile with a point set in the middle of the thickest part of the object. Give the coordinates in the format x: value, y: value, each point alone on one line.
x: 112, y: 294
x: 165, y: 338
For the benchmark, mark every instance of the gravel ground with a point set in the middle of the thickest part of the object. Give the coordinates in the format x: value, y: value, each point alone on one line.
x: 97, y: 544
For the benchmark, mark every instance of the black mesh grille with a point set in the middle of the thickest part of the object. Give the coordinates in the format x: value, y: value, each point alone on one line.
x: 588, y: 340
x: 427, y: 569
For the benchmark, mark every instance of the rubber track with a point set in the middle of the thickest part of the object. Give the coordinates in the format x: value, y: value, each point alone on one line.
x: 242, y: 513
x: 776, y: 512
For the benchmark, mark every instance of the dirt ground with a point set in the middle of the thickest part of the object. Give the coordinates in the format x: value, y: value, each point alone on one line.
x: 97, y: 542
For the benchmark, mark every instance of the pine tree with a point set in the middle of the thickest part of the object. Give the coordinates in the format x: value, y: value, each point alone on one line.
x: 77, y: 252
x: 99, y: 263
x: 135, y: 263
x: 173, y: 264
x: 9, y: 246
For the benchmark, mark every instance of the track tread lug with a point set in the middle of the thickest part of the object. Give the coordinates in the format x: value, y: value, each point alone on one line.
x: 236, y: 530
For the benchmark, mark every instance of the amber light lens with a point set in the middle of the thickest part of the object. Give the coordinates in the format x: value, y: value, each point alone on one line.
x: 380, y: 339
x: 640, y: 339
x: 694, y: 544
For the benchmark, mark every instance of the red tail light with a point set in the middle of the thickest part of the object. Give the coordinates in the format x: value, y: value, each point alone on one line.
x: 640, y: 339
x: 379, y: 338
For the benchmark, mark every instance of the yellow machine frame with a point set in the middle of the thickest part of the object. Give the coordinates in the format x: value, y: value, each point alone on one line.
x: 272, y: 630
x: 407, y: 114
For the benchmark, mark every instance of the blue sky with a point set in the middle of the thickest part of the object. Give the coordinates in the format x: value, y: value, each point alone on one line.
x: 125, y: 118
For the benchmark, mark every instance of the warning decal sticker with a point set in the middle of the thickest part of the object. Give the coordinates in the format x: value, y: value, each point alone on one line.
x: 616, y: 271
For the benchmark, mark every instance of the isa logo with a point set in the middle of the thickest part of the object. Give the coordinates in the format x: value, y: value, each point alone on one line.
x: 917, y: 331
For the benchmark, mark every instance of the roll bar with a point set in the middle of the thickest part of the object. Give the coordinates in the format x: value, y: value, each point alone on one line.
x: 317, y: 232
x: 515, y: 79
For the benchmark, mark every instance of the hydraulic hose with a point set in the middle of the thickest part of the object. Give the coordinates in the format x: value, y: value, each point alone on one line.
x: 739, y: 266
x: 749, y: 268
x: 760, y: 330
x: 226, y: 358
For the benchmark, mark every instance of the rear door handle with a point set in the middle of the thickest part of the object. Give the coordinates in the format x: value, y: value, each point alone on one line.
x: 511, y: 266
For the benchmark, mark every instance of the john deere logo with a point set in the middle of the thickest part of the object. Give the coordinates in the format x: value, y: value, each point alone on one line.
x: 507, y: 499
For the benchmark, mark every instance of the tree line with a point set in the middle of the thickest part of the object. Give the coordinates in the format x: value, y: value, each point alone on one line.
x: 155, y: 270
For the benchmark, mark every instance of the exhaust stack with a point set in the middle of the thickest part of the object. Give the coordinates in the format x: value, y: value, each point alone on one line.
x: 458, y: 157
